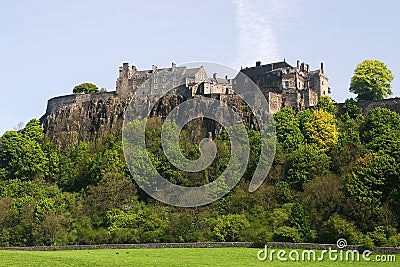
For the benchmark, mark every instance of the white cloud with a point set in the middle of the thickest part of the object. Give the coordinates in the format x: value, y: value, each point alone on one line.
x: 256, y: 40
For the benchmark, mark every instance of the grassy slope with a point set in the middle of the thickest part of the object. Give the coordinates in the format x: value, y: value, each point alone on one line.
x: 157, y: 257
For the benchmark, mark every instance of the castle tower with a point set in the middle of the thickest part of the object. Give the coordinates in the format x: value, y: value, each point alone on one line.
x: 124, y: 84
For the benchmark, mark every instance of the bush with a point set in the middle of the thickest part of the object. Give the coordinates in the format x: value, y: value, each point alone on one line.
x: 394, y: 241
x: 286, y: 234
x: 378, y: 236
x: 337, y: 227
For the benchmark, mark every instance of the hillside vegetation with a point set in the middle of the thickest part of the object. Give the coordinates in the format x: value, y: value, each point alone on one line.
x: 334, y: 176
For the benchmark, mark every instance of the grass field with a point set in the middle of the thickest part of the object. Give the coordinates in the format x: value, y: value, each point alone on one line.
x: 161, y: 257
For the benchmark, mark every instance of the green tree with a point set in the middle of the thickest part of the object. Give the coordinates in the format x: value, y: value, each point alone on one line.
x: 372, y: 178
x: 348, y: 147
x: 371, y: 80
x: 22, y: 155
x: 378, y: 123
x: 307, y: 162
x: 287, y: 129
x: 112, y: 192
x: 350, y: 108
x: 321, y: 198
x: 325, y: 103
x: 86, y: 88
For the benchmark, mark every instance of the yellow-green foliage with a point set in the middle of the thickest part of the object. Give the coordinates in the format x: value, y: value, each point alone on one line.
x: 321, y: 129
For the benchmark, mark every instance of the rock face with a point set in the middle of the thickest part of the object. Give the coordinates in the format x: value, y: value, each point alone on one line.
x: 85, y: 117
x: 73, y: 118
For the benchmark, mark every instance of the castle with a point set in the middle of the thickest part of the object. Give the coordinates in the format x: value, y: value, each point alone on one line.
x: 177, y: 80
x: 282, y: 84
x: 286, y: 86
x: 73, y: 118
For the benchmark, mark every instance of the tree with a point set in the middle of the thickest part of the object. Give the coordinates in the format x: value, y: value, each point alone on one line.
x: 22, y: 155
x: 305, y: 163
x: 379, y: 122
x: 321, y: 129
x: 325, y: 103
x: 86, y: 88
x: 372, y: 179
x: 350, y: 108
x: 287, y: 129
x: 371, y: 80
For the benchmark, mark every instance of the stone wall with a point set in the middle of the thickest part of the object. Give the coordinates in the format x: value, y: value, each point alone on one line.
x: 278, y: 245
x: 56, y: 103
x: 390, y: 103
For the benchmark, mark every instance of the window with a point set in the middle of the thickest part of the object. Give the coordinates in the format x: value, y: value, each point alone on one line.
x: 174, y: 78
x: 164, y: 79
x: 155, y: 86
x: 286, y: 84
x: 155, y: 80
x: 143, y: 85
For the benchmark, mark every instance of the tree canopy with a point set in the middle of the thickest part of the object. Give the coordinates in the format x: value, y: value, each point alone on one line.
x: 333, y: 176
x: 85, y: 88
x: 371, y: 80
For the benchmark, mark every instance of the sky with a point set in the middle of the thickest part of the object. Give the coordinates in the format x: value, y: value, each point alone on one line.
x: 48, y: 47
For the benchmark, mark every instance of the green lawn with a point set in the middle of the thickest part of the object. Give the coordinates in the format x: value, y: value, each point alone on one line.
x: 159, y: 257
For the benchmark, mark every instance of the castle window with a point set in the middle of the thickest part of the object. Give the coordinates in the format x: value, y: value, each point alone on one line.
x: 155, y: 80
x: 323, y: 92
x: 155, y: 86
x: 174, y: 78
x: 164, y: 79
x: 286, y: 84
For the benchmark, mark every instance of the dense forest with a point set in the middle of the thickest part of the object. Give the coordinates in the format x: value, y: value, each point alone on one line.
x: 335, y: 175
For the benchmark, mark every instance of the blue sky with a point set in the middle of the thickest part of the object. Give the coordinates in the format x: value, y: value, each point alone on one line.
x: 48, y: 47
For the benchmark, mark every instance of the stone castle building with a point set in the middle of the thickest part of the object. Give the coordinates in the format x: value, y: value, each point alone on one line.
x: 282, y: 84
x: 286, y: 86
x: 180, y: 80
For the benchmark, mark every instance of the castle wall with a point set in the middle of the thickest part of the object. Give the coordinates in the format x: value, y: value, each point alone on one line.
x: 392, y: 103
x: 56, y: 103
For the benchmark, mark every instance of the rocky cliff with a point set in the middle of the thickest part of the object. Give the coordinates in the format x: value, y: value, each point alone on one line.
x: 74, y: 118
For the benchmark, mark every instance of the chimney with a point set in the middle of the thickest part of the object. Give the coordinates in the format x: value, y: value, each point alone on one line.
x: 298, y: 64
x: 258, y: 63
x: 173, y: 65
x: 154, y: 67
x: 226, y: 77
x: 215, y: 75
x: 322, y: 67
